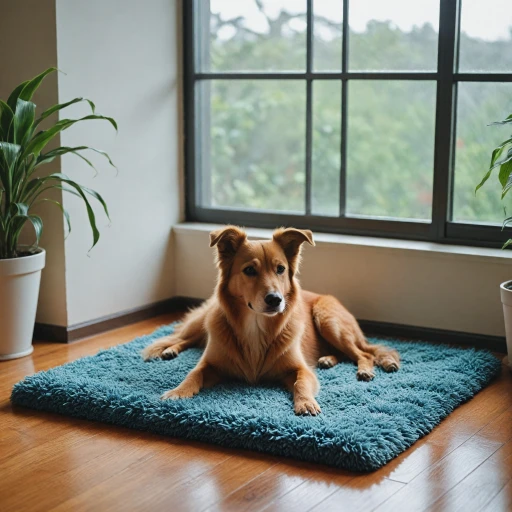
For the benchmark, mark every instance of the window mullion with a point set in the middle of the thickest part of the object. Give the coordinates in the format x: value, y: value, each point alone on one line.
x: 445, y: 116
x: 309, y: 105
x: 344, y: 96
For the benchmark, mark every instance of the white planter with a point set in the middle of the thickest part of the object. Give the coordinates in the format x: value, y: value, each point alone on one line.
x: 506, y: 299
x: 19, y: 290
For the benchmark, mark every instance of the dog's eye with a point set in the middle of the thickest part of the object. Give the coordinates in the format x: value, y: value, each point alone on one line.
x: 249, y: 271
x: 280, y: 269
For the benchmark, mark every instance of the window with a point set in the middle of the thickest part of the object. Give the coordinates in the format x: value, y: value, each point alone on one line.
x: 359, y: 117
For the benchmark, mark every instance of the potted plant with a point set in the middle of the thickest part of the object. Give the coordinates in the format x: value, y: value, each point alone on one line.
x: 22, y: 186
x: 502, y: 158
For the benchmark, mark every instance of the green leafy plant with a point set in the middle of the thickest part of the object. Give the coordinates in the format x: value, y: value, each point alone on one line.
x: 502, y: 158
x: 22, y: 152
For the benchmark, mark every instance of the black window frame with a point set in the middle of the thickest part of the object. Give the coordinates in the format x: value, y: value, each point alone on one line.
x: 440, y: 229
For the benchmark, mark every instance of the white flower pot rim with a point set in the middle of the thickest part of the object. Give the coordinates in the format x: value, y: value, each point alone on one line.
x: 506, y: 293
x: 36, y: 253
x: 23, y: 264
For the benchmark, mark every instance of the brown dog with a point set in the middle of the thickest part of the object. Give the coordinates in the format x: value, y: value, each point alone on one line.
x: 260, y: 326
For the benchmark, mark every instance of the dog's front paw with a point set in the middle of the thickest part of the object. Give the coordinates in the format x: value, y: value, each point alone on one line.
x: 178, y: 393
x: 169, y: 353
x: 365, y: 375
x: 307, y: 407
x: 150, y: 352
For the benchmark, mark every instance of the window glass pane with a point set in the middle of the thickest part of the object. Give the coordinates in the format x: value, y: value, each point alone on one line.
x: 486, y: 36
x: 252, y: 152
x: 478, y: 105
x: 327, y: 33
x: 390, y: 153
x: 326, y: 147
x: 393, y: 35
x: 258, y: 35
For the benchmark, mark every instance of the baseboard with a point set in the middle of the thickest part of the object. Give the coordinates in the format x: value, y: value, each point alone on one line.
x: 75, y: 332
x: 494, y: 343
x: 370, y: 327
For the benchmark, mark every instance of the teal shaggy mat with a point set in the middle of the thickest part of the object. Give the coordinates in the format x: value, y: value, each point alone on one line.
x: 362, y: 426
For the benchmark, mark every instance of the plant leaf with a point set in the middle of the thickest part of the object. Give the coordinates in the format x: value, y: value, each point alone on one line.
x: 23, y: 121
x: 506, y: 222
x: 20, y: 209
x: 484, y: 179
x: 13, y: 97
x: 505, y: 121
x: 505, y: 170
x: 508, y: 184
x: 26, y: 90
x: 33, y: 190
x: 494, y: 157
x: 497, y: 152
x: 6, y: 121
x: 497, y: 162
x: 90, y: 212
x: 9, y: 153
x: 105, y: 154
x: 51, y: 155
x: 37, y: 222
x: 64, y: 211
x: 507, y: 243
x: 97, y: 196
x: 21, y: 217
x: 37, y: 144
x: 60, y: 106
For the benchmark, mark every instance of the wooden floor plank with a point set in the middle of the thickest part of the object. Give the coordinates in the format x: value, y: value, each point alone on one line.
x: 276, y: 481
x: 502, y: 501
x: 361, y: 493
x: 438, y: 479
x: 52, y: 462
x: 171, y: 467
x: 219, y: 482
x: 311, y: 492
x: 486, y: 481
x: 481, y: 486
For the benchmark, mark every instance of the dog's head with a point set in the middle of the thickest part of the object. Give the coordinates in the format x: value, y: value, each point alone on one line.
x: 259, y: 273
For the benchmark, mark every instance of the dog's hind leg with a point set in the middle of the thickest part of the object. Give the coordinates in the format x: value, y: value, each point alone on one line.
x: 340, y: 329
x: 191, y: 333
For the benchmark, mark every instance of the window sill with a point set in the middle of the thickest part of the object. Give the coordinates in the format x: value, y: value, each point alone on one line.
x: 413, y: 248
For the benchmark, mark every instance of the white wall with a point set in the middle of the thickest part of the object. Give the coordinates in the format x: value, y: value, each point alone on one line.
x: 411, y: 283
x: 124, y: 56
x: 23, y: 58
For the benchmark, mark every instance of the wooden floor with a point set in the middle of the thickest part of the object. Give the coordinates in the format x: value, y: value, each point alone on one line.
x: 50, y: 462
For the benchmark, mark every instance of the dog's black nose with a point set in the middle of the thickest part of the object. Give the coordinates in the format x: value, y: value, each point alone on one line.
x: 273, y: 299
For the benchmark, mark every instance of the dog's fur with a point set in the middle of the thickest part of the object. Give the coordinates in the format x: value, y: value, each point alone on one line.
x: 245, y: 338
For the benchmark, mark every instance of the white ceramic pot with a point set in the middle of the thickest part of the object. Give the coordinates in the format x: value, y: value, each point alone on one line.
x: 506, y: 299
x: 19, y: 291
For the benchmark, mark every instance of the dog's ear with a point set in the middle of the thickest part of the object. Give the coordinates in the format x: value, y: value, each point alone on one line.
x: 291, y: 240
x: 228, y: 240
